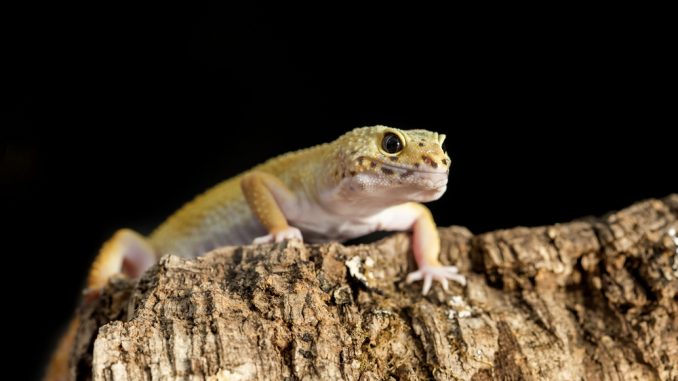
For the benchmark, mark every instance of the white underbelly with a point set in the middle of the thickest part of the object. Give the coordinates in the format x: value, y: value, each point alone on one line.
x: 324, y: 228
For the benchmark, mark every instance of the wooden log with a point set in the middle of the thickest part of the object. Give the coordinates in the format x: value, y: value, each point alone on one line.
x: 593, y: 299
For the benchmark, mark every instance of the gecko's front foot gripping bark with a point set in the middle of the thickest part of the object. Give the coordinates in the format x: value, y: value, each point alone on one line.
x: 439, y: 273
x: 285, y: 234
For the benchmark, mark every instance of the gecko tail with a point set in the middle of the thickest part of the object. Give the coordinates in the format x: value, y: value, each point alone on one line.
x: 127, y: 253
x: 58, y: 368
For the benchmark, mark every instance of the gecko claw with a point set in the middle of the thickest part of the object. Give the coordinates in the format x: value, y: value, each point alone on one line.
x: 440, y: 273
x: 286, y: 234
x: 428, y: 281
x: 443, y: 281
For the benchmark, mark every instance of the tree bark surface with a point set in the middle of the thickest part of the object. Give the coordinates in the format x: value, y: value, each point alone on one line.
x: 593, y: 299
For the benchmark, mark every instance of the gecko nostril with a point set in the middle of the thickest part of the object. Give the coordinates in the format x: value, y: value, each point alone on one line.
x: 428, y: 160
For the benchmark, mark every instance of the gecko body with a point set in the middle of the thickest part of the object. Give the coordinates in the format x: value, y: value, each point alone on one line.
x: 369, y: 179
x: 334, y: 191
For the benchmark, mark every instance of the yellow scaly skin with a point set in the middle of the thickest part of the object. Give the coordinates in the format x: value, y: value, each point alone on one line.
x: 353, y: 186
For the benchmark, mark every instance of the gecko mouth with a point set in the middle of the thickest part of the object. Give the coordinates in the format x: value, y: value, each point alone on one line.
x: 416, y: 184
x: 405, y: 169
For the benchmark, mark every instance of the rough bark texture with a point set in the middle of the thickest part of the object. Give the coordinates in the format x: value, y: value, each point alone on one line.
x: 591, y: 299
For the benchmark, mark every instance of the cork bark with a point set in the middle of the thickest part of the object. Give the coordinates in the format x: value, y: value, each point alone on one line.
x: 593, y: 299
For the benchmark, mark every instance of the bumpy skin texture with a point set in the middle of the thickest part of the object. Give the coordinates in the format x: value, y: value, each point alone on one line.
x: 369, y: 179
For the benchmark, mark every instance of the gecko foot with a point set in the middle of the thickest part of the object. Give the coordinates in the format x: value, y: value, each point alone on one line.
x: 286, y: 234
x: 439, y: 273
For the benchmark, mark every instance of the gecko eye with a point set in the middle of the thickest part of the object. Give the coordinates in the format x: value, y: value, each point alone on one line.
x: 391, y: 143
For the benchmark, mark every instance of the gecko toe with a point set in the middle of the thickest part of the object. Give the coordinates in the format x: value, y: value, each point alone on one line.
x: 413, y: 277
x: 450, y: 269
x: 443, y: 281
x: 458, y: 278
x: 263, y: 240
x: 428, y: 282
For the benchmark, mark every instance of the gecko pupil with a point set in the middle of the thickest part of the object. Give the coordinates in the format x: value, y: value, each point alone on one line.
x: 391, y: 143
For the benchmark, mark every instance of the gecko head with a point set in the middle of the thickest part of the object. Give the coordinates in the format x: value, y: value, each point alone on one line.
x: 393, y: 165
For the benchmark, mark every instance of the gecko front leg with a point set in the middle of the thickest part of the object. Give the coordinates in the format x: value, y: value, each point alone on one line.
x: 425, y: 243
x: 264, y: 194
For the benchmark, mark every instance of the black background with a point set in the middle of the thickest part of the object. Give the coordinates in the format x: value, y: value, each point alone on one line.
x: 123, y: 114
